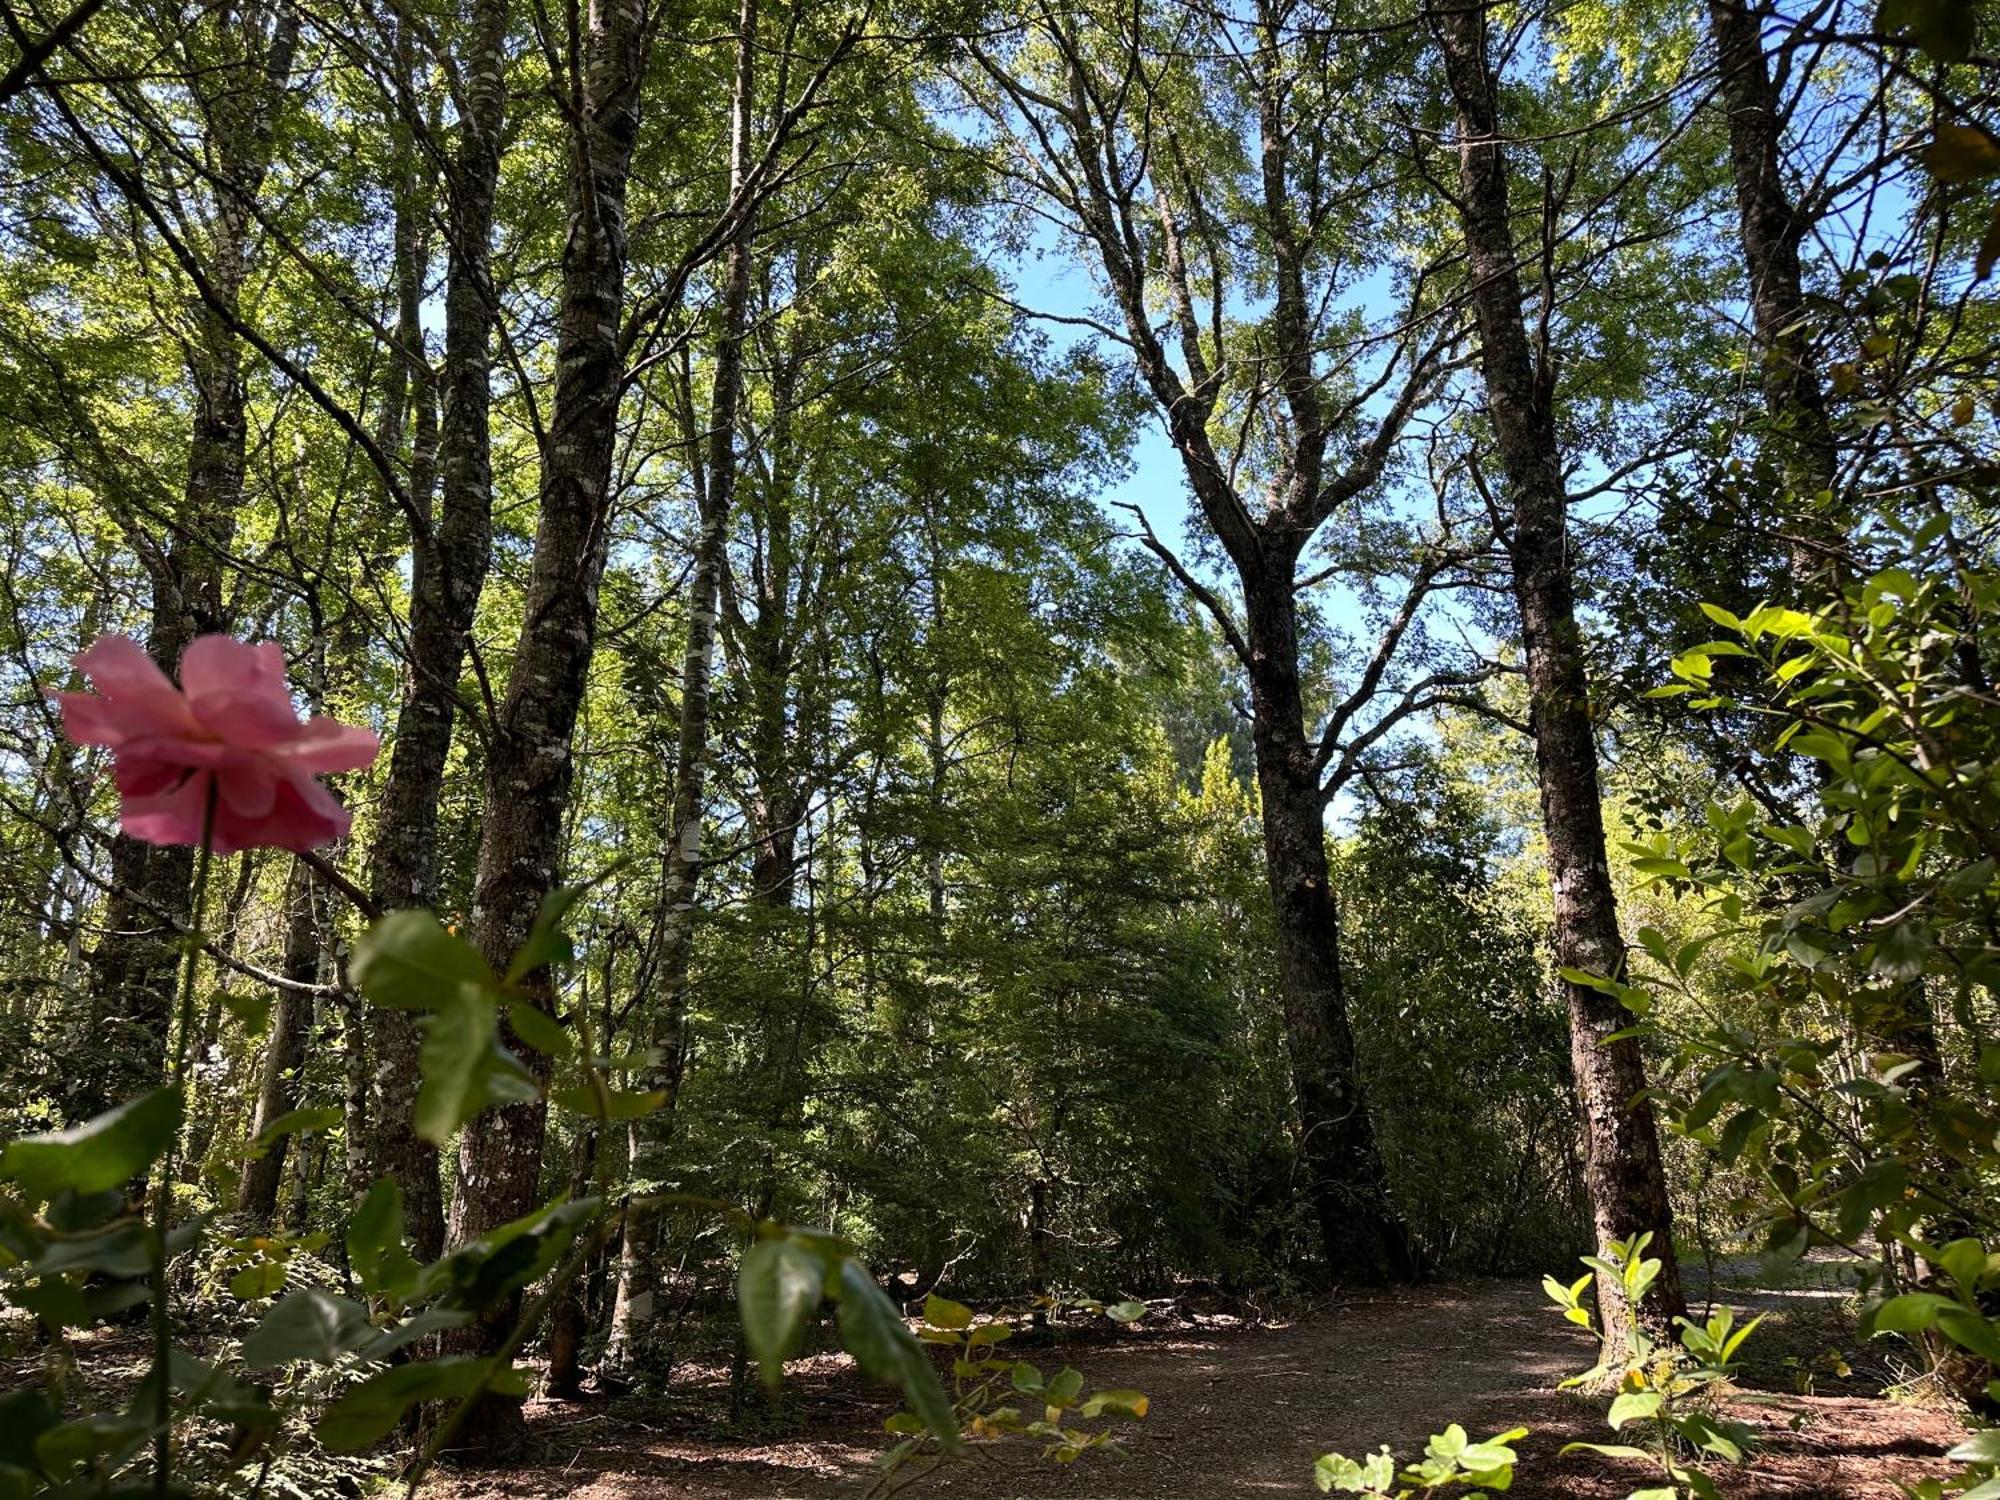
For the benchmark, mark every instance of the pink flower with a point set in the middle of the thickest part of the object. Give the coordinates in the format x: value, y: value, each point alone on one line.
x: 232, y: 721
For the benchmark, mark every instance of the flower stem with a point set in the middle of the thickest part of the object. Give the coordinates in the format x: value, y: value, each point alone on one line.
x: 163, y: 1189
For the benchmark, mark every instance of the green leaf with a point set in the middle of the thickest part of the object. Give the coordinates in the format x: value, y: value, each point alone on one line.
x: 1026, y: 1378
x: 103, y: 1153
x: 307, y: 1324
x: 465, y: 1068
x: 1946, y: 29
x: 538, y: 1029
x: 503, y: 1260
x: 375, y: 1241
x: 370, y: 1411
x: 617, y: 1104
x: 873, y: 1332
x: 777, y: 1288
x: 99, y: 1435
x: 942, y: 1312
x: 1912, y: 1312
x: 1981, y: 1448
x: 1122, y: 1403
x: 1970, y: 1330
x: 24, y: 1416
x: 1125, y: 1312
x: 266, y: 1278
x: 292, y: 1122
x: 407, y: 961
x: 1633, y: 1406
x: 1964, y: 1260
x: 546, y: 943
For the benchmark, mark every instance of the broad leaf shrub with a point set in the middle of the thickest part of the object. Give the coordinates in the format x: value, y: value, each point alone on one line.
x: 1664, y: 1401
x: 1452, y: 1462
x: 1831, y: 1024
x: 77, y: 1251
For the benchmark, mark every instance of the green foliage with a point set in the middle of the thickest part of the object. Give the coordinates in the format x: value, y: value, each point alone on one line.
x: 1664, y: 1394
x: 1452, y: 1461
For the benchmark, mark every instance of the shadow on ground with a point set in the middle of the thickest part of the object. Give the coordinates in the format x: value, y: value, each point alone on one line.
x: 1240, y: 1411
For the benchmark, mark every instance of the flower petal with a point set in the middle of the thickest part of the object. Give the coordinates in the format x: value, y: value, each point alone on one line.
x: 305, y: 817
x: 329, y: 745
x: 238, y: 691
x: 248, y: 788
x: 172, y: 815
x: 137, y: 696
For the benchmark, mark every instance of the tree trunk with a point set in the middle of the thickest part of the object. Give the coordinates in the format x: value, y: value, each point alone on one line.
x: 1799, y: 434
x: 135, y: 963
x: 448, y: 572
x: 284, y: 1053
x: 1622, y: 1166
x: 715, y: 495
x: 529, y: 769
x: 1343, y: 1175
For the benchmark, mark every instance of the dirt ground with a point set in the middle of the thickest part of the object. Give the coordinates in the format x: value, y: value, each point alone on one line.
x: 1242, y: 1411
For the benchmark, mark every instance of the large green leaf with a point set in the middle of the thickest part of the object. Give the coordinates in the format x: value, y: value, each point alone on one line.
x: 370, y: 1411
x: 106, y: 1152
x: 874, y: 1333
x: 506, y: 1259
x: 291, y: 1123
x: 465, y: 1067
x: 24, y: 1416
x: 776, y: 1290
x: 547, y: 943
x: 306, y: 1324
x: 407, y: 961
x: 375, y: 1241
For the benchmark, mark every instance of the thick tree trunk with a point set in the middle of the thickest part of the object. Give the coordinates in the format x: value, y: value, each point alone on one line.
x: 1799, y: 434
x: 1142, y: 249
x: 284, y: 1052
x: 448, y: 572
x: 1343, y: 1177
x: 1622, y: 1167
x: 529, y: 767
x: 138, y: 958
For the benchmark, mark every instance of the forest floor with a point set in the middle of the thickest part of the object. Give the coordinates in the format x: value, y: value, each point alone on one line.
x: 1242, y: 1410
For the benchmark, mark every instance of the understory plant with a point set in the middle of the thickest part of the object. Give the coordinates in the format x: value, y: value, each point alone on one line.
x: 1665, y: 1393
x: 1831, y: 1022
x: 1452, y: 1461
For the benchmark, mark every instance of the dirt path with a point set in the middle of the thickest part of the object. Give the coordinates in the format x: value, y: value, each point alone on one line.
x: 1239, y: 1412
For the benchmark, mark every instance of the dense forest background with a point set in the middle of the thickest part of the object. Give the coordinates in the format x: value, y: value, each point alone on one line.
x: 1103, y: 625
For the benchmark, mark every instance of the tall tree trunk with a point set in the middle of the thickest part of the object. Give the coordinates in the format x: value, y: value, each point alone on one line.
x: 135, y: 962
x: 715, y: 495
x: 448, y: 572
x: 1344, y: 1179
x: 284, y: 1053
x: 529, y: 767
x: 1092, y: 134
x: 1799, y: 435
x: 1622, y: 1166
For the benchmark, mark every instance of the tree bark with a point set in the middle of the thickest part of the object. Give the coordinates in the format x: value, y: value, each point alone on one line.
x: 1622, y: 1166
x: 448, y: 573
x: 284, y: 1053
x: 1344, y: 1178
x: 134, y: 966
x: 529, y: 768
x: 715, y: 496
x: 1799, y: 434
x: 1142, y: 247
